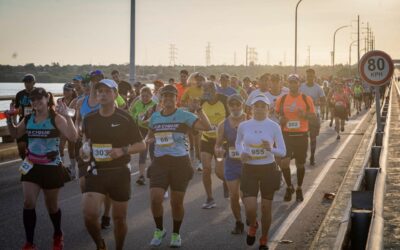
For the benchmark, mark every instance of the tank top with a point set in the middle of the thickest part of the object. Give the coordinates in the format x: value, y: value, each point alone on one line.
x: 86, y: 109
x: 43, y: 141
x: 230, y: 137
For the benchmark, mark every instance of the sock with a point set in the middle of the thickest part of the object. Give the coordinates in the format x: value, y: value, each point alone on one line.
x: 287, y: 176
x: 29, y: 218
x: 300, y: 175
x: 56, y: 220
x: 159, y: 222
x: 177, y: 226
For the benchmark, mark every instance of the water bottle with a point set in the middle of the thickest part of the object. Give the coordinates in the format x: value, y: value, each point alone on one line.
x: 86, y: 151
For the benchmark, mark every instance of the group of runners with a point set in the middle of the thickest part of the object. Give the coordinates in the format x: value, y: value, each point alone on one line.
x: 250, y: 129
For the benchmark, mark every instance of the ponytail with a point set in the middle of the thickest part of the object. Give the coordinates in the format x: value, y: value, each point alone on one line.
x: 51, y: 104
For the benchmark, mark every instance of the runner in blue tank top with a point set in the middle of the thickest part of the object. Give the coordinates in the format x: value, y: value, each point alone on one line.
x: 226, y: 138
x: 42, y: 168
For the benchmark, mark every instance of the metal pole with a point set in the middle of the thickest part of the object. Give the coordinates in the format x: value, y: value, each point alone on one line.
x: 247, y: 56
x: 132, y: 72
x: 378, y: 109
x: 295, y: 38
x: 333, y: 51
x: 358, y: 40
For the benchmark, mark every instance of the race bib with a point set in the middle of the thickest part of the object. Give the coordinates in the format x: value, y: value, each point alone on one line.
x: 27, y: 111
x: 26, y: 166
x: 101, y: 152
x: 293, y: 124
x: 257, y: 151
x: 233, y: 153
x: 164, y: 139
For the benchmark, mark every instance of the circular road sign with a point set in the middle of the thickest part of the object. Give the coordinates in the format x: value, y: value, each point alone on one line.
x: 376, y: 67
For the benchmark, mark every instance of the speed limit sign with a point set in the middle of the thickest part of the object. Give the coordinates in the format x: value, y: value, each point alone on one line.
x: 376, y: 67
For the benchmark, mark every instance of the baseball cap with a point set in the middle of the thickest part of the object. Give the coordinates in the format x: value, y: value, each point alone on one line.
x: 235, y: 97
x: 68, y: 86
x: 260, y: 98
x: 38, y: 93
x: 293, y: 77
x: 96, y: 72
x: 29, y: 78
x: 109, y: 83
x: 77, y: 78
x: 168, y: 89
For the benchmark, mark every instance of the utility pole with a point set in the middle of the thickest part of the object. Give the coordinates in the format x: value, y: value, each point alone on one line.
x: 247, y: 55
x: 173, y: 51
x: 309, y: 57
x: 253, y: 56
x: 208, y: 54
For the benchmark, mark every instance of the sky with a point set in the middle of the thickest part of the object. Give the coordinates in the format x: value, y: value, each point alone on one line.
x: 98, y: 31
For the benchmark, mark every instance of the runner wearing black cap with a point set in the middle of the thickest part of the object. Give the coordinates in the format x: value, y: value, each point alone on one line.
x: 42, y: 168
x: 23, y: 104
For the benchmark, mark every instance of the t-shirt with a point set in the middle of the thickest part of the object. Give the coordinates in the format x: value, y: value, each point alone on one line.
x: 105, y: 133
x: 315, y: 91
x: 191, y: 93
x: 272, y: 98
x: 216, y: 113
x: 181, y: 89
x: 228, y: 91
x: 120, y: 102
x: 358, y: 90
x: 170, y: 132
x: 23, y: 102
x: 249, y: 139
x: 291, y: 108
x: 139, y: 111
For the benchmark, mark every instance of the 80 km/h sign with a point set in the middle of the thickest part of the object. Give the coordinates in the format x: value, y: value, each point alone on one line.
x: 376, y: 68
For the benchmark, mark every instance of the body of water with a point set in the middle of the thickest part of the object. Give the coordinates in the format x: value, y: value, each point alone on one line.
x: 12, y: 88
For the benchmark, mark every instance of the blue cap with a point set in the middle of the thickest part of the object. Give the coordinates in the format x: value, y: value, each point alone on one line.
x: 96, y: 72
x: 77, y: 78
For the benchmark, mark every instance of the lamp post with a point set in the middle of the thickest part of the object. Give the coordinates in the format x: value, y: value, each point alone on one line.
x: 351, y: 44
x: 295, y: 38
x: 132, y: 73
x: 333, y: 50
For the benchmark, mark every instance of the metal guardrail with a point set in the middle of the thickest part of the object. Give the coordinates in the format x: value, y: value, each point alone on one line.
x: 362, y: 223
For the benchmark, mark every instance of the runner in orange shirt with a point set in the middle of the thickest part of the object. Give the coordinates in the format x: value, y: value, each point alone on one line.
x: 182, y: 85
x: 295, y: 110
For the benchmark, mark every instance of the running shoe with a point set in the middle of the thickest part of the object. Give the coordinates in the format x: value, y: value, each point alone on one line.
x: 312, y: 161
x: 158, y: 237
x: 289, y: 193
x: 209, y: 204
x: 331, y: 123
x: 105, y: 222
x: 239, y: 228
x: 338, y: 137
x: 141, y: 181
x: 58, y: 242
x: 299, y: 195
x: 251, y: 234
x: 263, y: 243
x: 176, y: 241
x: 342, y: 129
x: 166, y: 195
x: 29, y: 246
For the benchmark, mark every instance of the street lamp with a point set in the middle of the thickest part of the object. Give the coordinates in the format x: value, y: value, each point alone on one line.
x: 351, y: 44
x: 333, y: 51
x: 295, y: 38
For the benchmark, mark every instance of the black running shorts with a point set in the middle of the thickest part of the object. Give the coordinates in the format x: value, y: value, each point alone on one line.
x: 296, y: 146
x: 208, y: 146
x: 264, y: 178
x: 171, y: 171
x: 115, y: 182
x: 47, y: 177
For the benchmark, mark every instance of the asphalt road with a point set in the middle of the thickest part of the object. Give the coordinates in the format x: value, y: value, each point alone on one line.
x: 201, y: 229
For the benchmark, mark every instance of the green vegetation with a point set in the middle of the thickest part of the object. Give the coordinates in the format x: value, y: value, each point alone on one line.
x: 56, y: 73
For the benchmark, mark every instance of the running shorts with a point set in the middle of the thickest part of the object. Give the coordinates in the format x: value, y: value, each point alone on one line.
x: 208, y: 146
x: 341, y: 112
x: 264, y: 178
x: 171, y: 171
x: 114, y: 182
x: 232, y: 169
x: 296, y: 146
x: 47, y: 177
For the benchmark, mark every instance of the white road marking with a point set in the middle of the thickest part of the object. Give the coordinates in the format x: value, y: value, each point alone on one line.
x: 281, y: 231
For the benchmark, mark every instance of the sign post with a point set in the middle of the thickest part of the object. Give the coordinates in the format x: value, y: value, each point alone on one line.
x: 376, y: 68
